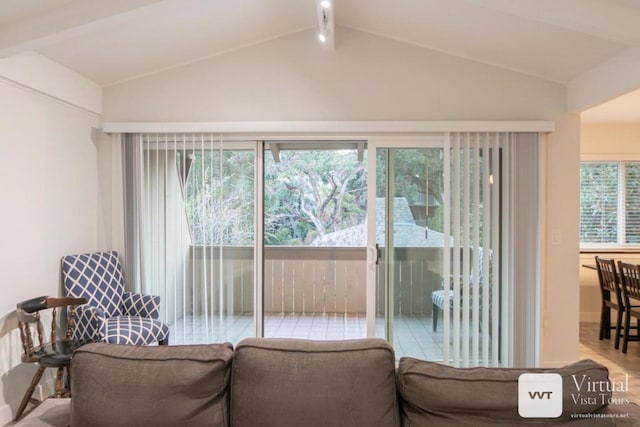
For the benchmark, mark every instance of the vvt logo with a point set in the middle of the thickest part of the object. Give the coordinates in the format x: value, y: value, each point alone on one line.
x: 540, y: 395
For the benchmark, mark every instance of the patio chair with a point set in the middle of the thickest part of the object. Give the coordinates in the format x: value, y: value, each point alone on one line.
x: 438, y: 297
x: 50, y: 351
x: 111, y: 314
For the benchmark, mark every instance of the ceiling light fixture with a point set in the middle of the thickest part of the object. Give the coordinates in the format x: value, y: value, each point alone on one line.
x: 324, y: 29
x: 325, y: 23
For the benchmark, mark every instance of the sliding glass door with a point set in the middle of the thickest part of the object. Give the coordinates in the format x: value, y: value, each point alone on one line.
x: 410, y: 240
x: 438, y: 245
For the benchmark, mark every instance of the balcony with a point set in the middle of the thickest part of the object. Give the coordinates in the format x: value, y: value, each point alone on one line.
x: 309, y: 292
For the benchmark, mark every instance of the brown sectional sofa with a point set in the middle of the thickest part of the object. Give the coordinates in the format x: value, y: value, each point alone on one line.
x: 281, y: 383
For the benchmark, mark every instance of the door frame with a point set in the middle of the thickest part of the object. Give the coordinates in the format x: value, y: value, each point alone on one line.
x: 435, y: 140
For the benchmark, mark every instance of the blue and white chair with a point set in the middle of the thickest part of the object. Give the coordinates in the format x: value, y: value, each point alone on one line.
x: 111, y: 314
x: 437, y: 297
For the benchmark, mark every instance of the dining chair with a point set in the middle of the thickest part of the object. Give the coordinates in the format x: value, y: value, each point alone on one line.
x: 630, y: 284
x: 50, y: 350
x: 609, y: 285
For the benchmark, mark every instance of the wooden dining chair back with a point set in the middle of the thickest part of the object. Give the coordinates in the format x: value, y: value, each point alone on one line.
x: 630, y: 284
x: 611, y: 298
x: 48, y: 350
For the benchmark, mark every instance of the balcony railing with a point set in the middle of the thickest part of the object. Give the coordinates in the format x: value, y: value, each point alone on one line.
x: 308, y: 280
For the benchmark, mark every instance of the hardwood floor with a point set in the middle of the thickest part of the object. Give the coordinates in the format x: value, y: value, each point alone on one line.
x: 619, y: 364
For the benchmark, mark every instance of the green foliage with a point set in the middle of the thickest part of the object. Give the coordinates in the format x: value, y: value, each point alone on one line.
x: 598, y: 202
x: 219, y: 196
x: 310, y: 193
x: 632, y: 203
x: 418, y: 174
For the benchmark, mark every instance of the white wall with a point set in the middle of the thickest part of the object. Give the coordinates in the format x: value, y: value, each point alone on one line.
x: 365, y: 78
x: 49, y: 208
x: 560, y: 319
x: 372, y: 78
x: 610, y: 140
x: 604, y: 141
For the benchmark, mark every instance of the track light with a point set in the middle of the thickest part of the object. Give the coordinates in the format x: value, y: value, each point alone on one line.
x: 325, y: 23
x: 323, y: 35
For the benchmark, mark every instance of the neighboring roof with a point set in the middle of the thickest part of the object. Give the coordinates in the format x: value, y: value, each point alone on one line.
x: 406, y: 232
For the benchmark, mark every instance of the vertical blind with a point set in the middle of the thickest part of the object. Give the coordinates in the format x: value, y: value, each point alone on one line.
x: 176, y: 184
x: 491, y: 183
x: 191, y: 240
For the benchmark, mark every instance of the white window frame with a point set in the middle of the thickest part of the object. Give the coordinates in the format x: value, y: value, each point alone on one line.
x: 622, y: 161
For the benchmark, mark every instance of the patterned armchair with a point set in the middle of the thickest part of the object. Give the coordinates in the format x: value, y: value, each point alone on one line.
x: 437, y: 297
x: 111, y: 314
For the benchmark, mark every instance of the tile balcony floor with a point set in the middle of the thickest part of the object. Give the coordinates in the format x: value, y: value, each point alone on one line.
x: 413, y: 335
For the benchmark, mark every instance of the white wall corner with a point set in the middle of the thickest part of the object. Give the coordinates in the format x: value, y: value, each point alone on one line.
x: 36, y: 72
x: 612, y: 78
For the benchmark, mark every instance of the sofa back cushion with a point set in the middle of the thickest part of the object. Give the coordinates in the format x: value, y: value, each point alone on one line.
x: 122, y: 385
x: 280, y: 382
x: 435, y: 394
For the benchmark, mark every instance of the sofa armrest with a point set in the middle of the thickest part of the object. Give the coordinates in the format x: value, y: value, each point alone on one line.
x: 135, y: 304
x: 90, y: 324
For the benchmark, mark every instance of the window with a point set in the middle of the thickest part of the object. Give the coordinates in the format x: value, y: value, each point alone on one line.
x: 609, y: 204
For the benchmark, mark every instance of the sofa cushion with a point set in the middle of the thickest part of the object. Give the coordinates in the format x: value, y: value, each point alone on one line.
x: 435, y: 394
x: 121, y: 385
x: 280, y: 382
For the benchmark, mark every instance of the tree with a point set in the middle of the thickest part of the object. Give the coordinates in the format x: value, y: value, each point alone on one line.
x: 598, y: 202
x: 219, y: 197
x: 312, y: 193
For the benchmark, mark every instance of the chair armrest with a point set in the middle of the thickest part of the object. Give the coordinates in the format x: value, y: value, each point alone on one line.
x: 90, y: 324
x: 135, y: 304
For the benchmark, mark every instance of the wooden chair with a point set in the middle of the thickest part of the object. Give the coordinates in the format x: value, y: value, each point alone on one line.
x: 52, y: 353
x: 611, y: 298
x: 630, y: 284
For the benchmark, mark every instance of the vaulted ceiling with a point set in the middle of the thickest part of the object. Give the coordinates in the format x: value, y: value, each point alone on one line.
x: 110, y: 41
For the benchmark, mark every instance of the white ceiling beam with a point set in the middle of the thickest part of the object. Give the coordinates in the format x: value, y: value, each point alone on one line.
x: 69, y: 21
x: 34, y: 72
x: 326, y: 23
x: 615, y: 77
x: 603, y: 19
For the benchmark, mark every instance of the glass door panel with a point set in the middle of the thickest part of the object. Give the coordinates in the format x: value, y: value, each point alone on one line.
x: 409, y: 191
x: 217, y: 282
x: 315, y: 240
